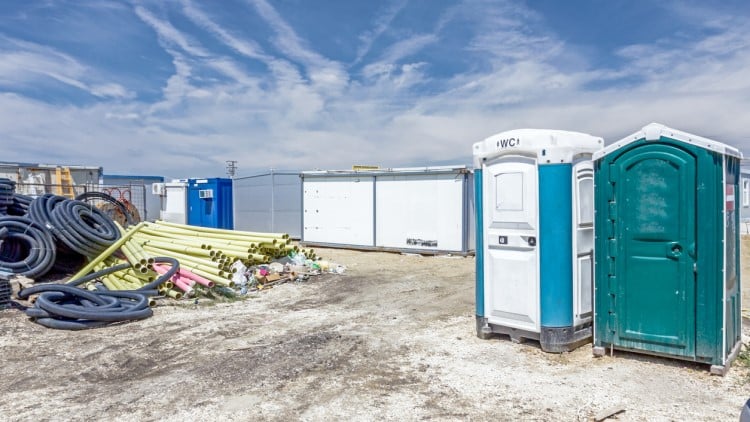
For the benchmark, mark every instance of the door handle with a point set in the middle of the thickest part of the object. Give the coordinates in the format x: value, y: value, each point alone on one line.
x: 674, y: 250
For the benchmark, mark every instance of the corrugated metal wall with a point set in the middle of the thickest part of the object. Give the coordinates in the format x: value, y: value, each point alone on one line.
x: 269, y: 202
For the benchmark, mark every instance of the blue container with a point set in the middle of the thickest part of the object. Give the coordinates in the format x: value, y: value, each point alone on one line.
x: 534, y: 197
x: 210, y: 203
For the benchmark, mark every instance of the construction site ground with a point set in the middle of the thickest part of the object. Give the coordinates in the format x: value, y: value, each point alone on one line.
x: 393, y: 338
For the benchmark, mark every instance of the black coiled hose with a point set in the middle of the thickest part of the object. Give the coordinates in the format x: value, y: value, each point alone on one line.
x: 70, y: 308
x: 7, y: 187
x: 66, y: 307
x: 26, y: 247
x: 81, y: 227
x: 20, y: 205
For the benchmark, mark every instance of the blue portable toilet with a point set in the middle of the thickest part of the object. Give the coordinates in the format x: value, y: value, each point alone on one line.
x: 210, y: 203
x: 535, y: 222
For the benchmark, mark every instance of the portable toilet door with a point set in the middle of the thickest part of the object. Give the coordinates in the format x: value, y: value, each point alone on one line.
x: 667, y: 247
x: 534, y: 196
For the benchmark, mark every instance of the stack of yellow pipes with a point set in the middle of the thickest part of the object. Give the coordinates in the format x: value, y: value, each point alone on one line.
x: 205, y: 254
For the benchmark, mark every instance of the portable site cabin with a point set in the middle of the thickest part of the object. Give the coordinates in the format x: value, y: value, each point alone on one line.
x: 209, y: 203
x: 667, y: 247
x: 269, y: 202
x: 534, y: 196
x: 421, y: 210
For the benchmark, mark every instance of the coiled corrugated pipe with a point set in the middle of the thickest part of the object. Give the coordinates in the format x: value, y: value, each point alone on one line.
x: 66, y: 307
x: 7, y: 187
x: 81, y: 227
x: 26, y: 247
x: 20, y: 205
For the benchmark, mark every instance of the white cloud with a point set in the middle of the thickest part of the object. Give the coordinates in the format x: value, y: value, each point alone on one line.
x: 26, y: 64
x: 381, y: 24
x: 111, y: 90
x: 325, y: 74
x: 283, y: 71
x: 170, y: 35
x: 396, y: 52
x: 244, y: 47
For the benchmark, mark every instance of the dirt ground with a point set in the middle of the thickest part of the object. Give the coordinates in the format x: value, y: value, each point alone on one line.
x: 393, y: 338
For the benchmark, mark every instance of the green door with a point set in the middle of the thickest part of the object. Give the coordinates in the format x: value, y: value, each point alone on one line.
x: 653, y: 211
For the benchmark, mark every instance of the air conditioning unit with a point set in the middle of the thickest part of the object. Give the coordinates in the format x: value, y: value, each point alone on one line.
x: 205, y: 193
x: 158, y: 189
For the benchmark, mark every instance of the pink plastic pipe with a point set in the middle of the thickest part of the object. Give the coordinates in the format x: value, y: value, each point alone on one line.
x: 161, y: 268
x: 185, y: 280
x: 195, y: 277
x: 182, y: 286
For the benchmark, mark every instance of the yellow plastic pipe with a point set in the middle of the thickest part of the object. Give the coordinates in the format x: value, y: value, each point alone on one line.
x: 170, y: 246
x: 214, y: 230
x: 180, y: 256
x: 207, y: 235
x: 191, y: 263
x: 167, y: 237
x: 107, y: 252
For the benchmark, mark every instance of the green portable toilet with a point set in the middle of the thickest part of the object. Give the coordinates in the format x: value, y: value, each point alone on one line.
x: 667, y: 270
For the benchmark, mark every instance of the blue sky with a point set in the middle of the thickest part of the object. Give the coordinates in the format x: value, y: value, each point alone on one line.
x: 176, y: 88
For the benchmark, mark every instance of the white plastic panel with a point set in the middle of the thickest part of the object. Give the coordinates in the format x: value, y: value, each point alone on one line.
x: 420, y: 211
x: 513, y: 292
x: 509, y: 192
x: 511, y: 250
x: 175, y: 204
x: 514, y: 203
x: 338, y: 210
x: 583, y: 241
x: 584, y: 305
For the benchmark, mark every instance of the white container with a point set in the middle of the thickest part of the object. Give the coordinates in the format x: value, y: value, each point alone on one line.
x: 424, y: 210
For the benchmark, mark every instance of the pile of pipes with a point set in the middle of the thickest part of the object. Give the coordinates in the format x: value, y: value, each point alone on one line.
x: 127, y: 267
x: 37, y: 234
x: 207, y: 257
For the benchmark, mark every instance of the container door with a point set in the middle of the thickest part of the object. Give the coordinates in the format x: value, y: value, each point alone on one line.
x: 583, y: 241
x: 653, y: 250
x: 511, y: 233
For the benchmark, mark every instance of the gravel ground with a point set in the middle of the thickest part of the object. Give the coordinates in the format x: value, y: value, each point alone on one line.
x: 393, y: 338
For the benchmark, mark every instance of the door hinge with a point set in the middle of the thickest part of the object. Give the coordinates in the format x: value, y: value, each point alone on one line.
x: 610, y: 229
x: 612, y: 210
x: 612, y: 321
x: 611, y: 263
x: 612, y: 245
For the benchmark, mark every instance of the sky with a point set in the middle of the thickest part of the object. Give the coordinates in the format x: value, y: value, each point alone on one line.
x: 176, y: 88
